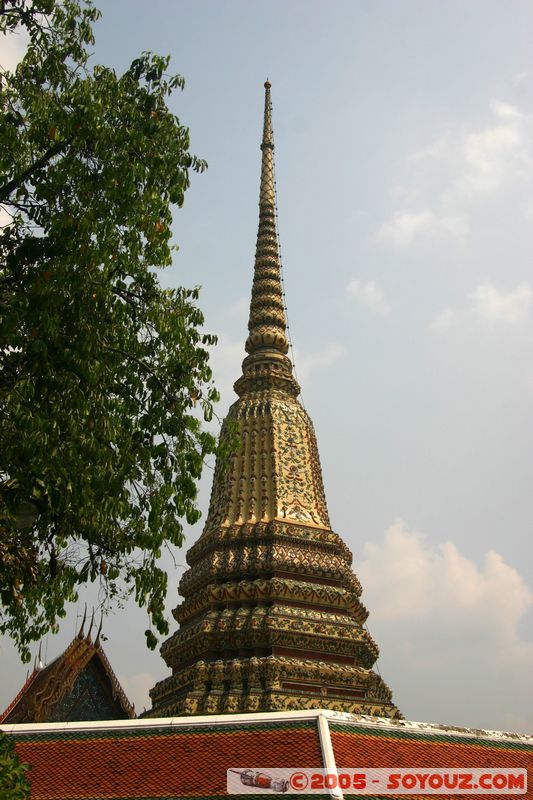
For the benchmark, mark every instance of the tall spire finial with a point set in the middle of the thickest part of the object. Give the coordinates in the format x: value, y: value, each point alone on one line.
x: 268, y: 138
x: 267, y: 323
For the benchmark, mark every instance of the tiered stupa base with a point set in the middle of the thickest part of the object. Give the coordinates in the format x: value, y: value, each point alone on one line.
x: 272, y: 683
x: 271, y: 620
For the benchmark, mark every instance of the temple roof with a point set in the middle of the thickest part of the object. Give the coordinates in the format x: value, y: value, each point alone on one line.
x: 189, y: 758
x: 78, y: 685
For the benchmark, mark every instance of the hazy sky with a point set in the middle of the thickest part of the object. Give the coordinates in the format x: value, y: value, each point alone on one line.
x: 404, y: 158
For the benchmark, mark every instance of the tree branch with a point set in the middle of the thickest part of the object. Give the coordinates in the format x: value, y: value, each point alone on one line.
x: 148, y: 369
x: 14, y: 183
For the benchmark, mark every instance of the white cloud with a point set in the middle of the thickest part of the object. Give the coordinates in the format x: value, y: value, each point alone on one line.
x: 368, y: 294
x: 452, y: 627
x: 492, y: 157
x: 511, y: 306
x: 404, y: 227
x: 400, y: 564
x: 497, y: 155
x: 457, y: 171
x: 505, y: 110
x: 487, y: 302
x: 414, y: 580
x: 481, y: 161
x: 320, y: 359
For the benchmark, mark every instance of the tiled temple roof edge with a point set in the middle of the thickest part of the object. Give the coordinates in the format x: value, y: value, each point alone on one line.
x: 322, y: 716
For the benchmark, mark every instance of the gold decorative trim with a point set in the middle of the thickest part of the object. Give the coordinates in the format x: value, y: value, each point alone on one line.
x: 271, y: 589
x: 260, y: 684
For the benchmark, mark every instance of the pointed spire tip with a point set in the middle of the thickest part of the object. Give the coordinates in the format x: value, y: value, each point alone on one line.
x: 267, y: 322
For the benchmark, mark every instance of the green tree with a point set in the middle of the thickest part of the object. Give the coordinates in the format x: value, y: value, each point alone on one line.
x: 13, y: 774
x: 104, y: 380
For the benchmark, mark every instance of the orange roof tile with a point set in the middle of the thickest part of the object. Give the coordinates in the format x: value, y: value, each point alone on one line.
x: 188, y: 758
x: 160, y: 762
x: 355, y: 747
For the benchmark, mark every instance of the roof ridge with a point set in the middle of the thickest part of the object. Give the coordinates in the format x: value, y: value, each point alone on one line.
x: 270, y: 717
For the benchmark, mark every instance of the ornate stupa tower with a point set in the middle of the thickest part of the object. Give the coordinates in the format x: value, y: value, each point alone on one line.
x: 271, y: 617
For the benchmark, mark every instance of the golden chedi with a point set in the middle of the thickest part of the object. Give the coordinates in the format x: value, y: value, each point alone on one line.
x: 271, y: 617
